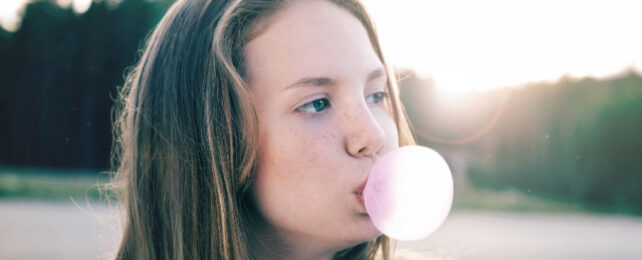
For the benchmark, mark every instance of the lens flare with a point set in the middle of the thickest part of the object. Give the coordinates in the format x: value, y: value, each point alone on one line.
x: 409, y: 193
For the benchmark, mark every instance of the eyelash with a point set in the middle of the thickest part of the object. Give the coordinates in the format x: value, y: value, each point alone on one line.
x: 379, y: 96
x: 312, y: 105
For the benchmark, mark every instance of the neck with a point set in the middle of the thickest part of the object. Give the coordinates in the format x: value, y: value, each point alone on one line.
x: 270, y: 242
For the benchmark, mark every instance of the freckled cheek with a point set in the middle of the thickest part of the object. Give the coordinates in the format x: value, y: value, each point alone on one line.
x: 311, y: 139
x: 291, y: 156
x: 294, y: 170
x: 311, y: 150
x: 310, y: 156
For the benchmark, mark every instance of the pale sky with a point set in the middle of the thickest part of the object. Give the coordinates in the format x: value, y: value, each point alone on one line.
x: 477, y: 45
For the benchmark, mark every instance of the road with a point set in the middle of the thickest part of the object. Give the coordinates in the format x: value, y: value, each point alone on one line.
x: 64, y: 230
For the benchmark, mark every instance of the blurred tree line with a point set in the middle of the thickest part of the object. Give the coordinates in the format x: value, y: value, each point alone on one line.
x: 58, y: 78
x: 577, y: 140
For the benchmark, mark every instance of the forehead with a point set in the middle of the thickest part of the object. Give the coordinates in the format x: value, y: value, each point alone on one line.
x: 309, y: 38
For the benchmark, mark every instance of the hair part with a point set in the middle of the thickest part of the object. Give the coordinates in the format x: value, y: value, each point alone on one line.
x: 186, y: 135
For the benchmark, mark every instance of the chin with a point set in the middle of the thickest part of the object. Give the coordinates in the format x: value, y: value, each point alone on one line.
x: 373, y: 235
x: 363, y: 239
x: 366, y: 231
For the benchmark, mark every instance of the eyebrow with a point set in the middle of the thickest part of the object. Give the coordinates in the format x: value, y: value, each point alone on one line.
x: 325, y: 81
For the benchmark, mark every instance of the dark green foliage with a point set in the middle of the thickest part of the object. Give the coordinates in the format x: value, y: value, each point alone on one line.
x: 578, y: 140
x: 58, y: 78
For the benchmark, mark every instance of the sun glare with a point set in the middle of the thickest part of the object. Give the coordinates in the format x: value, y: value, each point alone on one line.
x: 10, y: 14
x: 479, y: 45
x: 81, y: 6
x: 11, y: 11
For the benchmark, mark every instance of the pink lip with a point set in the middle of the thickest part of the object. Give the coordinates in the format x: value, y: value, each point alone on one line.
x: 360, y: 199
x: 359, y: 192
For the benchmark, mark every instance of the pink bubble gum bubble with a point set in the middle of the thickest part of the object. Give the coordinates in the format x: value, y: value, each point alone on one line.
x: 409, y: 193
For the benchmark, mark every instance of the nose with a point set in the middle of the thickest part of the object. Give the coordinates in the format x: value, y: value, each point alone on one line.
x: 364, y: 135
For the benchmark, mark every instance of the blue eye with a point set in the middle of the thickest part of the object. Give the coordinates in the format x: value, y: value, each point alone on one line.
x: 315, y: 106
x: 376, y: 98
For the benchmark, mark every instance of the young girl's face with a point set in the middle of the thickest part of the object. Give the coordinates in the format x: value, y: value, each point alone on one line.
x: 318, y: 90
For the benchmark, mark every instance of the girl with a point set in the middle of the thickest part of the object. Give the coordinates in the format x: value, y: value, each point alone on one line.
x: 247, y: 131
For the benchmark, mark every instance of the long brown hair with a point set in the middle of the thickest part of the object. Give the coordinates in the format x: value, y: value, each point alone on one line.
x: 186, y: 135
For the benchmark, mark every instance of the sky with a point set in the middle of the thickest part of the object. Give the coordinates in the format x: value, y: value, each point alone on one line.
x: 468, y: 45
x: 479, y: 45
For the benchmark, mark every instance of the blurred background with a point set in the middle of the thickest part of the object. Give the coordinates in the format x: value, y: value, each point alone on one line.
x: 536, y: 106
